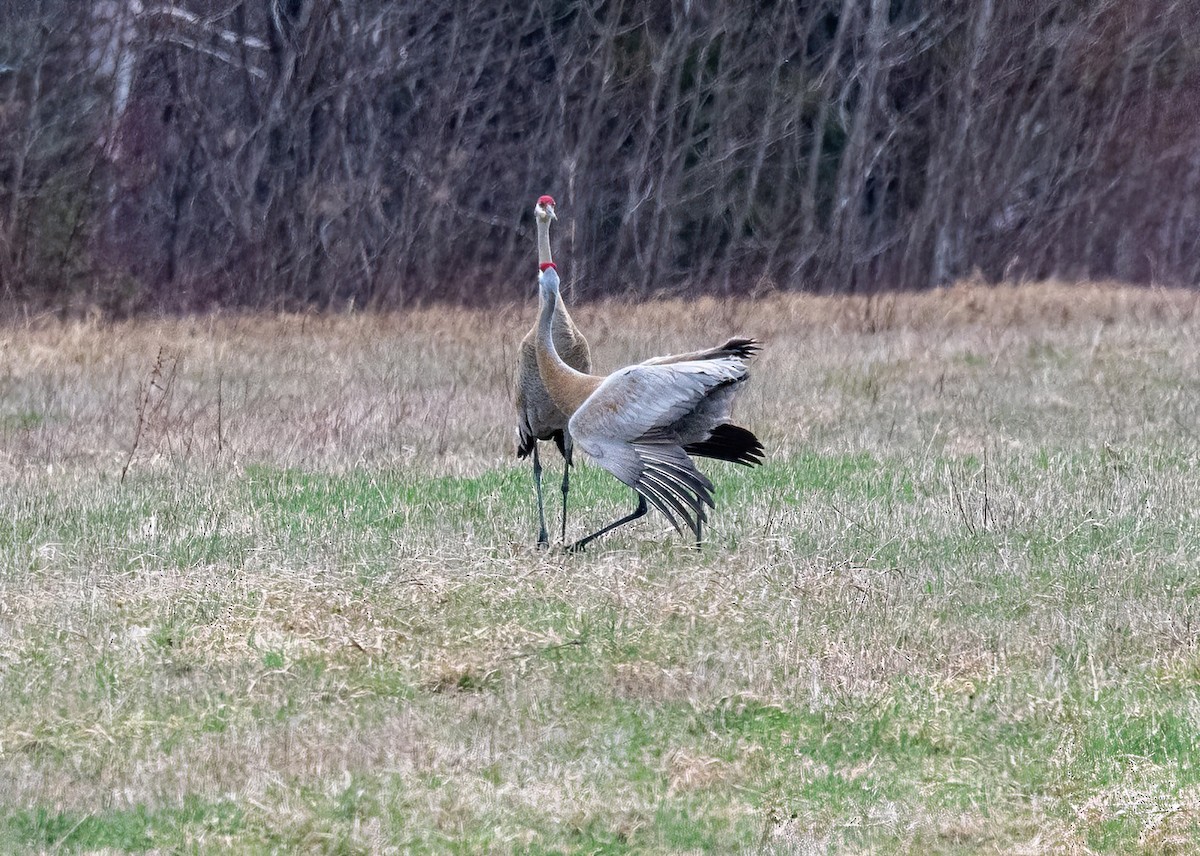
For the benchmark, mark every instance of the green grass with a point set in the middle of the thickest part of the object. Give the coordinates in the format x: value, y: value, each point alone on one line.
x: 132, y: 831
x: 24, y: 420
x: 955, y: 612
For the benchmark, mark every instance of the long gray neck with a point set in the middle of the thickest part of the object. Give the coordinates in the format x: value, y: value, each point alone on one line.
x: 543, y: 229
x: 548, y: 298
x: 549, y: 302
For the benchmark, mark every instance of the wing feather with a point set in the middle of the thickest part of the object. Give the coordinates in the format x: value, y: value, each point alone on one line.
x: 678, y: 489
x: 654, y: 494
x: 688, y: 476
x: 662, y: 473
x: 651, y: 482
x: 736, y: 347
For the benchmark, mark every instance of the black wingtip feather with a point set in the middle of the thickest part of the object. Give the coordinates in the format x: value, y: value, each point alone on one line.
x: 729, y: 442
x: 741, y: 347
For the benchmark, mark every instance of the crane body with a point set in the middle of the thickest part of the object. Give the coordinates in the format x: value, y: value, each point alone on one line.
x: 538, y: 417
x: 642, y: 422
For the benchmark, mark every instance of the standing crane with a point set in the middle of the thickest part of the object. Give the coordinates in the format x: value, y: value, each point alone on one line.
x: 642, y: 422
x: 538, y: 418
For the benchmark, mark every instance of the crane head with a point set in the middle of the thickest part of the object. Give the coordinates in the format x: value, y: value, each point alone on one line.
x: 548, y: 282
x: 544, y: 210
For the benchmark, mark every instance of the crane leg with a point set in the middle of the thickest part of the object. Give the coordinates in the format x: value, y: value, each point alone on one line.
x: 566, y: 482
x: 629, y: 518
x: 543, y: 536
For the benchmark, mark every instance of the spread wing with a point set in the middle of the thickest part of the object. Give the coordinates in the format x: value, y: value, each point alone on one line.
x: 630, y: 426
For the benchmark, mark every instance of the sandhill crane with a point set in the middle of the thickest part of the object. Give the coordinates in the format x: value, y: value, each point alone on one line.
x: 537, y: 416
x: 641, y: 422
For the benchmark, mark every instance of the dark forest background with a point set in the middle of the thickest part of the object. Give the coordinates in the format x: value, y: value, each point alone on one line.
x: 282, y: 153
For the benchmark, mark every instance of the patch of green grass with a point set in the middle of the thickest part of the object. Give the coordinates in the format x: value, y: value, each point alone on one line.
x: 131, y: 831
x: 375, y: 500
x: 25, y: 420
x: 848, y: 477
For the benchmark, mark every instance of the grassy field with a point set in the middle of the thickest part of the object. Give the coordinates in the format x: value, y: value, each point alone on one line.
x: 267, y: 584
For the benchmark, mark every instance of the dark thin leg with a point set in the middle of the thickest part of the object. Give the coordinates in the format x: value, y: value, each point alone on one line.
x: 543, y: 536
x: 566, y: 483
x: 641, y: 509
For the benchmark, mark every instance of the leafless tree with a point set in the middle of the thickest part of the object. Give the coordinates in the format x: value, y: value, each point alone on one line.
x: 176, y: 155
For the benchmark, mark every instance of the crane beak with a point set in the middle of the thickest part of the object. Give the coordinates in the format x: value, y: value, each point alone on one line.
x: 553, y: 216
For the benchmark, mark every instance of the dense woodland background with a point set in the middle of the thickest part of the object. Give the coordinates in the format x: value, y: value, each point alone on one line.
x: 281, y: 153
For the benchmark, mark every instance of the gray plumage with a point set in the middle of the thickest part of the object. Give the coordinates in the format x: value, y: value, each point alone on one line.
x: 538, y: 418
x: 642, y: 422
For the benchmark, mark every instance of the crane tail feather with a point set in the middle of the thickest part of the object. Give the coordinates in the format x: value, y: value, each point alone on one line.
x: 729, y: 442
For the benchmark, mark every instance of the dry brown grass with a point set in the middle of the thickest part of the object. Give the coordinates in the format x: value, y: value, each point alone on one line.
x: 338, y: 391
